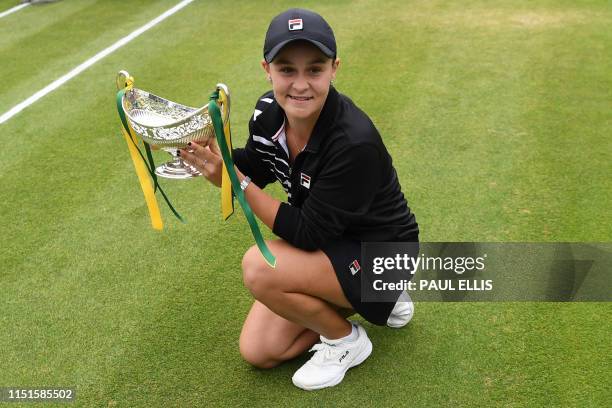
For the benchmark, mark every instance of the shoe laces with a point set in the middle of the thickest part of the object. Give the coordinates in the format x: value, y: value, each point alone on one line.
x: 324, y: 351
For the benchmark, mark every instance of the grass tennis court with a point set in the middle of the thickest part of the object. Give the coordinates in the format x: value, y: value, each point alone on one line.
x: 497, y: 115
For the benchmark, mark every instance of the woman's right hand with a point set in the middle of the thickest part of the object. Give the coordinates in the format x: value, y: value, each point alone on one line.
x: 206, y: 159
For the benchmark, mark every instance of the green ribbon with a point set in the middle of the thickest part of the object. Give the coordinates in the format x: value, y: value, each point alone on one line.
x: 215, y: 114
x: 149, y: 163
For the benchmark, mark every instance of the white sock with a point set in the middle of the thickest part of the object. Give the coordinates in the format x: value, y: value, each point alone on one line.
x: 352, y: 336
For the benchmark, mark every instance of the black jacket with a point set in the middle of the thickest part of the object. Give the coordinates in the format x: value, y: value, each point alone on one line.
x: 341, y: 186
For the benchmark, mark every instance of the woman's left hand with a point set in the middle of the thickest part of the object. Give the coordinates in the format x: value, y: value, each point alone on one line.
x: 206, y: 159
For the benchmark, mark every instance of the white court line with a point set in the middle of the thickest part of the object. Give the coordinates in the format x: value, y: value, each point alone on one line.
x: 14, y: 9
x: 76, y: 71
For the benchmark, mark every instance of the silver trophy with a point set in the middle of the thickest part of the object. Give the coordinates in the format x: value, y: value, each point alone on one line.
x: 170, y: 126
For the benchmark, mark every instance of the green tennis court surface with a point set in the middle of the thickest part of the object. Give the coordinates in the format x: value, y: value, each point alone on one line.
x: 497, y: 115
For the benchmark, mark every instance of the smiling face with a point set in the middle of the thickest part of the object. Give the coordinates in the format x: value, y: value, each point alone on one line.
x: 301, y: 75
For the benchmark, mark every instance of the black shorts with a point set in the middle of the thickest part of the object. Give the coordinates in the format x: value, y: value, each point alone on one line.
x: 345, y: 257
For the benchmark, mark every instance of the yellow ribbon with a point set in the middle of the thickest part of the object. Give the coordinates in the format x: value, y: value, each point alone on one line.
x: 141, y: 171
x: 227, y: 200
x: 145, y: 181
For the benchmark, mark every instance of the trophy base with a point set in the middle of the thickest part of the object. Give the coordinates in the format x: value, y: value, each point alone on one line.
x: 177, y: 169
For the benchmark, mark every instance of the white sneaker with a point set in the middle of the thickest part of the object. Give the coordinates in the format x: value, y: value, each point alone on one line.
x: 331, y: 360
x: 402, y: 312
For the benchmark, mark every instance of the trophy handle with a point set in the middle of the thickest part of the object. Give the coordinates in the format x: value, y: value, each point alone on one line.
x: 224, y: 101
x: 121, y: 79
x: 224, y: 98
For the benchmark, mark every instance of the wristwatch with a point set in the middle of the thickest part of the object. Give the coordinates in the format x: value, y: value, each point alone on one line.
x: 244, y: 183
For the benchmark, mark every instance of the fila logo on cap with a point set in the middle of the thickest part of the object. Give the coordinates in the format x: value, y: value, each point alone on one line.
x: 355, y: 267
x: 295, y: 24
x: 305, y: 180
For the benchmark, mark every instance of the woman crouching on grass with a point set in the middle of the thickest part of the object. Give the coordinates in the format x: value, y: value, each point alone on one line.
x: 342, y: 190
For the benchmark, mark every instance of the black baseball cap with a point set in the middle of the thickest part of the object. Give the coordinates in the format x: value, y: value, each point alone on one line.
x: 299, y: 24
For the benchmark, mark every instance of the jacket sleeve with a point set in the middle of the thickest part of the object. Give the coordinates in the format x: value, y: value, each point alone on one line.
x: 250, y: 162
x: 342, y: 193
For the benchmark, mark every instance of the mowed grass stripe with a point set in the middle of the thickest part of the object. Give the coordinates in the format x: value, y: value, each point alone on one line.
x: 8, y: 4
x: 68, y: 43
x: 471, y: 141
x: 34, y: 21
x: 567, y: 171
x: 465, y: 143
x: 4, y: 13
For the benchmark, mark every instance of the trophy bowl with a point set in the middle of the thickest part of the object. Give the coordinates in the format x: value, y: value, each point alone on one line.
x: 170, y: 126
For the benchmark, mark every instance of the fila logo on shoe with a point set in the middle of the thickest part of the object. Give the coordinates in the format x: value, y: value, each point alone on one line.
x: 346, y: 353
x: 295, y: 24
x: 305, y: 180
x: 355, y: 267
